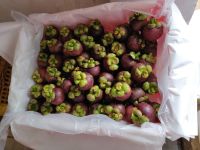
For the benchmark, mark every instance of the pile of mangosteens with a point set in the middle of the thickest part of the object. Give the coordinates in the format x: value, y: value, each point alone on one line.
x: 87, y: 70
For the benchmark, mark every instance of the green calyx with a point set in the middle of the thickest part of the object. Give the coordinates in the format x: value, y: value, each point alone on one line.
x: 80, y: 30
x: 33, y: 105
x: 99, y: 50
x: 138, y: 16
x: 117, y: 48
x: 119, y: 32
x: 50, y: 31
x: 54, y: 72
x: 52, y: 61
x: 156, y: 107
x: 107, y: 90
x: 113, y: 113
x: 150, y: 87
x: 72, y: 45
x: 153, y: 23
x: 60, y: 81
x: 143, y: 71
x: 36, y: 90
x: 125, y: 76
x: 48, y: 92
x: 88, y: 63
x: 134, y: 55
x: 149, y: 58
x: 46, y: 108
x: 69, y: 65
x: 79, y: 111
x: 80, y: 78
x: 94, y: 93
x: 112, y: 61
x: 52, y: 42
x: 95, y: 24
x: 104, y: 83
x: 88, y: 41
x: 141, y: 99
x: 107, y: 39
x: 99, y: 109
x: 63, y: 108
x: 36, y: 77
x: 43, y: 44
x: 108, y: 109
x: 74, y: 92
x: 64, y: 31
x: 137, y: 117
x: 119, y: 89
x: 43, y: 57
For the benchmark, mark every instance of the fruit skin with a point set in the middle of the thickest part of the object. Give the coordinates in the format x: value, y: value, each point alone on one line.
x: 105, y: 80
x: 65, y: 84
x: 148, y: 111
x: 137, y: 93
x: 72, y: 48
x: 39, y: 75
x: 53, y: 94
x: 83, y: 80
x: 42, y: 59
x: 151, y: 47
x: 121, y: 33
x: 140, y: 72
x: 95, y: 94
x: 79, y: 110
x: 96, y: 28
x: 75, y: 95
x: 135, y: 43
x: 121, y: 91
x: 129, y: 60
x: 137, y: 21
x: 95, y: 71
x: 52, y: 74
x: 153, y: 30
x: 54, y: 46
x: 97, y: 109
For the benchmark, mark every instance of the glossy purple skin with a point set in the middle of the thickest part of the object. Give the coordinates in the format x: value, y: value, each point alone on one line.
x: 99, y: 98
x: 120, y: 107
x: 56, y: 48
x: 42, y: 63
x: 79, y: 98
x: 129, y: 110
x: 74, y: 52
x: 137, y: 93
x: 152, y: 78
x: 85, y: 55
x: 134, y: 77
x: 148, y: 111
x: 66, y: 85
x: 151, y: 47
x: 96, y: 33
x: 42, y: 72
x: 124, y: 97
x: 107, y: 75
x: 82, y: 105
x: 127, y: 62
x: 90, y: 82
x: 137, y: 25
x: 59, y: 96
x: 94, y: 71
x: 93, y: 107
x: 133, y: 43
x: 152, y: 34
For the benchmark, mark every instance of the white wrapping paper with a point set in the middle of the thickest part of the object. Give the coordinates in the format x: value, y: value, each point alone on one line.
x: 177, y: 71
